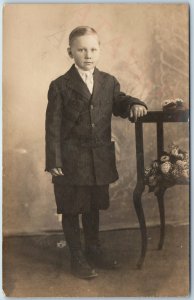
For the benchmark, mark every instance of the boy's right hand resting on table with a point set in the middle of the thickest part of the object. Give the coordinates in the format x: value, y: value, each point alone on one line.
x: 137, y: 111
x: 56, y: 172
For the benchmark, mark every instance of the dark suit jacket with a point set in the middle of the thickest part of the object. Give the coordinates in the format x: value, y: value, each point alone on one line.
x: 78, y: 127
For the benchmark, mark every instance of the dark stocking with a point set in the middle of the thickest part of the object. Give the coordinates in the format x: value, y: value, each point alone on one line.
x: 71, y: 231
x: 90, y: 222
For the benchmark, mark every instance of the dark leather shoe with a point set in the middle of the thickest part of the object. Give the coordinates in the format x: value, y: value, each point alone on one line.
x: 98, y: 258
x: 80, y: 267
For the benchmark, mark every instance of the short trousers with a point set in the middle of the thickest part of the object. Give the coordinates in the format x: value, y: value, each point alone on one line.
x: 80, y: 199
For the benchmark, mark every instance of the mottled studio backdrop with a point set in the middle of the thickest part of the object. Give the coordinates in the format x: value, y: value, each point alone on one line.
x: 145, y: 46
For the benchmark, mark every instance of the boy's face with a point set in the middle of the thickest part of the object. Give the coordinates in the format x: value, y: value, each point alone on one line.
x: 85, y: 51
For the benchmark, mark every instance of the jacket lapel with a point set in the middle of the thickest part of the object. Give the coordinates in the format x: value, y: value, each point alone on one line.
x: 76, y: 83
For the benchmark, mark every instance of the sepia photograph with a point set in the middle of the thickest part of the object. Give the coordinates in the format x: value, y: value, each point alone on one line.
x: 96, y: 150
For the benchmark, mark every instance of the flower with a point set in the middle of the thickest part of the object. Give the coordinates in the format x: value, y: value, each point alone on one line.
x: 175, y: 173
x: 147, y: 172
x: 165, y: 158
x: 174, y: 152
x: 180, y: 156
x: 155, y: 164
x: 186, y: 156
x: 165, y: 167
x: 61, y: 244
x: 173, y: 149
x: 171, y: 168
x: 153, y: 180
x: 185, y: 173
x: 168, y: 102
x: 179, y: 101
x: 181, y: 163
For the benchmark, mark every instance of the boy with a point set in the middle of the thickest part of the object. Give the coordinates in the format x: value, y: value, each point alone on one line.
x: 79, y: 152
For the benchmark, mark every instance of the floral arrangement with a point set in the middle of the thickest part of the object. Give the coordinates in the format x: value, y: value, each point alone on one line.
x: 173, y: 104
x: 170, y: 169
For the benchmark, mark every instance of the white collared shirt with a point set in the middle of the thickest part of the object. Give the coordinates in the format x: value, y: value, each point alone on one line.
x: 87, y: 77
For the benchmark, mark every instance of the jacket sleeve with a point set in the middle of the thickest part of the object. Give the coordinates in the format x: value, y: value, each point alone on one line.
x: 122, y: 103
x: 53, y: 128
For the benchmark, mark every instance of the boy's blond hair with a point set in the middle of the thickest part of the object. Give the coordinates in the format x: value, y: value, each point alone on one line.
x: 80, y: 31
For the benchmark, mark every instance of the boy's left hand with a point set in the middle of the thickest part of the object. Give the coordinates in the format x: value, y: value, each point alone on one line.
x: 137, y: 111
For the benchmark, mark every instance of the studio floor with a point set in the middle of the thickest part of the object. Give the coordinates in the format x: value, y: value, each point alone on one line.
x: 38, y: 266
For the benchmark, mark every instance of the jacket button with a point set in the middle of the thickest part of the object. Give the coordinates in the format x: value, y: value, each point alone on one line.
x: 91, y: 106
x: 93, y: 125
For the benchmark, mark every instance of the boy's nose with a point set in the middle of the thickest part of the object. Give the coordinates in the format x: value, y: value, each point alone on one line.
x: 88, y: 54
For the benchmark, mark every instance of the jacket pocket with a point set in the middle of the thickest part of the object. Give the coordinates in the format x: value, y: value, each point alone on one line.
x: 105, y: 163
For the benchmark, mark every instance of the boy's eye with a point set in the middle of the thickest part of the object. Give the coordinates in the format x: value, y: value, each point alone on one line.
x: 82, y: 49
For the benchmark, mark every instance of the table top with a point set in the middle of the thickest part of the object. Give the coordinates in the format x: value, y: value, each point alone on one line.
x: 164, y: 116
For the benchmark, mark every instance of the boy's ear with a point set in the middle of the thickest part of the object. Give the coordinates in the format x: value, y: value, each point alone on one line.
x: 69, y: 52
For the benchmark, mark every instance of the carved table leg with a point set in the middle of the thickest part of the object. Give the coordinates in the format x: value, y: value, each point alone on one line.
x: 140, y: 214
x: 160, y: 197
x: 139, y: 190
x: 161, y: 191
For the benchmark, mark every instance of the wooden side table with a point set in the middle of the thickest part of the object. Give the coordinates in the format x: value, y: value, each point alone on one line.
x: 158, y: 117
